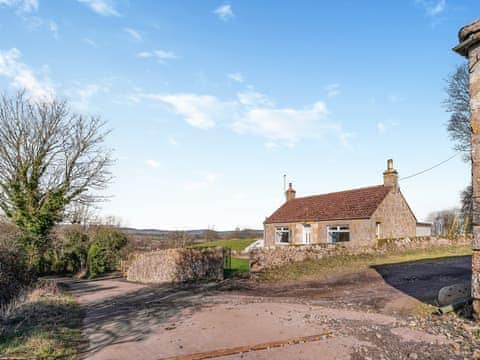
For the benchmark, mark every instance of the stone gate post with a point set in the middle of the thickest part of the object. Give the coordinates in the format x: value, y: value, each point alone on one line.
x: 469, y: 38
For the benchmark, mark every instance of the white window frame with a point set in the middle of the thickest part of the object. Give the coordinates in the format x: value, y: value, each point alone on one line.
x: 331, y: 229
x: 306, y: 240
x: 378, y: 231
x: 281, y: 230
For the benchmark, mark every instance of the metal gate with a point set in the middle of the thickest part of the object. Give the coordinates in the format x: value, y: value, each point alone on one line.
x: 227, y: 261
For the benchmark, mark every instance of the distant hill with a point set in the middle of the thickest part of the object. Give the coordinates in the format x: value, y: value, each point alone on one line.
x: 151, y: 239
x: 194, y: 233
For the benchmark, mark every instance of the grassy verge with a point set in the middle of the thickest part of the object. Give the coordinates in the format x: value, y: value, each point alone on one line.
x: 235, y: 244
x: 42, y: 324
x: 317, y: 269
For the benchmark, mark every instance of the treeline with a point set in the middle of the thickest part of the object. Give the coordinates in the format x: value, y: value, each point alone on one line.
x: 73, y: 250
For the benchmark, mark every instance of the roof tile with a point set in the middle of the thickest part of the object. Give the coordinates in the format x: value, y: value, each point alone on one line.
x: 344, y: 205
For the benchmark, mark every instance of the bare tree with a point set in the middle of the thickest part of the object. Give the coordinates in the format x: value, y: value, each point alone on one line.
x: 79, y: 214
x: 180, y: 238
x: 457, y: 104
x: 445, y: 222
x: 50, y: 158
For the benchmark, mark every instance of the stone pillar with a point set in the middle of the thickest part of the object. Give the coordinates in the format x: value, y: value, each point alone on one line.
x: 469, y: 38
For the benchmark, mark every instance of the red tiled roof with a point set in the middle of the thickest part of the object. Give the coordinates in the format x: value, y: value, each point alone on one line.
x: 343, y: 205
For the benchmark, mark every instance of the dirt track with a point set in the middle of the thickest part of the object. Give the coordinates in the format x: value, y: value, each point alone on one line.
x: 352, y: 316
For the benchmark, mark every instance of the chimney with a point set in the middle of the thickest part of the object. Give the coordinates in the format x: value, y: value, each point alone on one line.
x: 290, y: 193
x: 390, y: 176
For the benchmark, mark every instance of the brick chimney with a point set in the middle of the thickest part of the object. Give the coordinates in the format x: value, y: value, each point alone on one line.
x: 390, y: 176
x: 290, y: 193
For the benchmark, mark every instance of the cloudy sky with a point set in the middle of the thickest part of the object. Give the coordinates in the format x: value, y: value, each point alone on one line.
x: 211, y: 102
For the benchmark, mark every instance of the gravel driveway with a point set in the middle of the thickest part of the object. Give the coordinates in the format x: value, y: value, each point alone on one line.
x: 356, y: 316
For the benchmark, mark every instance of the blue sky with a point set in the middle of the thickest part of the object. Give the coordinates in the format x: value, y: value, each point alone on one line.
x: 211, y: 102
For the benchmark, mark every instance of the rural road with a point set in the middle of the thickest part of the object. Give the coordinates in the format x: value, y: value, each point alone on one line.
x: 350, y: 317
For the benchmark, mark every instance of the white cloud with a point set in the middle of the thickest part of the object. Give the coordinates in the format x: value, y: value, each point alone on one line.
x: 253, y: 113
x: 22, y: 6
x: 199, y: 111
x: 52, y: 25
x: 271, y: 145
x: 332, y: 90
x: 134, y: 34
x: 90, y: 42
x: 23, y: 77
x: 381, y: 127
x: 236, y: 77
x: 432, y: 7
x: 29, y: 5
x: 161, y: 55
x: 253, y: 98
x: 101, y: 7
x: 152, y: 163
x: 224, y: 12
x: 395, y: 98
x: 82, y: 95
x: 289, y: 125
x: 206, y: 180
x: 172, y: 141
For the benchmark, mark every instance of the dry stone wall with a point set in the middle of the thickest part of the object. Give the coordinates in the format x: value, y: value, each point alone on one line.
x: 277, y: 256
x: 176, y: 265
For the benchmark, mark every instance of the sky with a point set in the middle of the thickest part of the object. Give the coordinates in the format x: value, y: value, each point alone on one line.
x: 210, y: 103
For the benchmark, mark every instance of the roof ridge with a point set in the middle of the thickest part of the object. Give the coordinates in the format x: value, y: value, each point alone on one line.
x: 341, y: 191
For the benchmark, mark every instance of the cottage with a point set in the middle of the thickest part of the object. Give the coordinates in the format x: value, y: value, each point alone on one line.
x: 356, y: 217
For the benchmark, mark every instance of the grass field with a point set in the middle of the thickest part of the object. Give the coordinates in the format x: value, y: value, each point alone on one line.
x: 43, y: 324
x: 234, y: 244
x: 241, y: 266
x: 317, y: 269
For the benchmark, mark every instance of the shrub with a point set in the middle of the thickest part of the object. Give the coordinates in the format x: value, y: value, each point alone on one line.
x: 96, y: 261
x: 69, y: 250
x: 104, y: 251
x: 14, y: 275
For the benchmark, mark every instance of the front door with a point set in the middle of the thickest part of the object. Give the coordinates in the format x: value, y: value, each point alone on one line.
x: 307, y: 234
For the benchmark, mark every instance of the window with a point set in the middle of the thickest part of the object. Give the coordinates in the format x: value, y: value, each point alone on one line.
x: 282, y: 235
x: 338, y: 233
x: 377, y: 230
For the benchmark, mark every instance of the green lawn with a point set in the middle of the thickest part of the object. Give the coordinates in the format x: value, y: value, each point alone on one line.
x: 241, y: 266
x: 234, y: 244
x: 318, y: 269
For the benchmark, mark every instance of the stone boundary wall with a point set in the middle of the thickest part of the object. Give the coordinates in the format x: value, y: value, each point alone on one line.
x: 176, y: 265
x: 277, y: 256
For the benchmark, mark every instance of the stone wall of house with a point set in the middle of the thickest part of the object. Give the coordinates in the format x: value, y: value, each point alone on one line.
x: 277, y: 256
x: 395, y: 217
x: 176, y: 265
x: 362, y: 231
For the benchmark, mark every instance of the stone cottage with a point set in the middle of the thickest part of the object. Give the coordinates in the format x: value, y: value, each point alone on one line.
x: 352, y: 217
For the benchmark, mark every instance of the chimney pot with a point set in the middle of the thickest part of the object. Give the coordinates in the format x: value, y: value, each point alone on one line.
x: 390, y: 164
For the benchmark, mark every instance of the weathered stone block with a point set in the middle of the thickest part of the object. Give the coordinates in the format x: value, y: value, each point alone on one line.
x: 177, y: 265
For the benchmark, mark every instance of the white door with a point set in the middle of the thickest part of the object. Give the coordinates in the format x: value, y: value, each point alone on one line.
x: 307, y: 234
